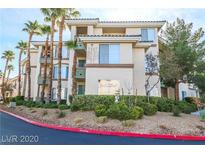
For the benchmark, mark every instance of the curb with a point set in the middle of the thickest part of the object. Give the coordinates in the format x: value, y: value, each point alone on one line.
x: 108, y: 133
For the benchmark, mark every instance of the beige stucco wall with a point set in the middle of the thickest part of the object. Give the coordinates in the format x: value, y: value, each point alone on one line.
x: 157, y: 88
x: 93, y: 75
x: 92, y: 56
x: 98, y: 31
x: 139, y: 70
x: 133, y: 31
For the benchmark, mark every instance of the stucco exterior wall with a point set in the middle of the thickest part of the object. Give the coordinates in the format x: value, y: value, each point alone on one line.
x: 92, y: 56
x: 98, y: 31
x: 133, y: 31
x: 93, y: 75
x: 139, y: 71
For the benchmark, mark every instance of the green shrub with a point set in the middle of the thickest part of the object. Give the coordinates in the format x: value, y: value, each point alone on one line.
x: 113, y: 111
x: 100, y: 110
x: 88, y: 102
x: 186, y: 107
x: 176, y: 110
x: 63, y: 107
x: 165, y: 105
x: 61, y: 114
x: 19, y: 98
x: 136, y: 112
x: 102, y: 119
x: 149, y: 109
x: 19, y: 102
x: 50, y: 106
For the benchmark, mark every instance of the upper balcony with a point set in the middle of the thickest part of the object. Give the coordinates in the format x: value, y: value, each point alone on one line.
x: 80, y: 72
x: 43, y: 60
x: 41, y: 80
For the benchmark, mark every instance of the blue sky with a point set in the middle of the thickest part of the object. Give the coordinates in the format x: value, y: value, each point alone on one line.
x: 12, y: 21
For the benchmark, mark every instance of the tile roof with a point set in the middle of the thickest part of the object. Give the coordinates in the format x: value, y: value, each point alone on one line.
x: 115, y: 21
x: 109, y: 35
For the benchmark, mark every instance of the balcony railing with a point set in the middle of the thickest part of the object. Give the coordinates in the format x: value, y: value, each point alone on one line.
x: 80, y: 73
x: 80, y: 46
x: 41, y: 81
x: 43, y: 59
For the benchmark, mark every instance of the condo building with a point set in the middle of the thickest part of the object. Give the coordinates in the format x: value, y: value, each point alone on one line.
x: 109, y: 58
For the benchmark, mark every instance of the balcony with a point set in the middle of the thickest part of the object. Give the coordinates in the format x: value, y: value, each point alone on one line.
x: 41, y: 80
x: 80, y: 73
x: 79, y: 46
x: 43, y: 59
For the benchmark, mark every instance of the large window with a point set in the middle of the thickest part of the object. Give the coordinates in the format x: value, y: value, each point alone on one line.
x: 64, y: 92
x: 64, y: 72
x: 109, y: 54
x: 148, y: 34
x: 65, y: 52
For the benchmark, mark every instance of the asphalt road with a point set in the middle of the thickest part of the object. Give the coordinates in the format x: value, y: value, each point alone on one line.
x: 15, y: 131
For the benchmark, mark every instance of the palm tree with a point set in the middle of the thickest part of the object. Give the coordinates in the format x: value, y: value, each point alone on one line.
x: 71, y: 45
x: 32, y: 28
x: 64, y: 13
x: 51, y: 14
x: 45, y: 30
x: 9, y: 68
x: 22, y: 46
x: 8, y: 55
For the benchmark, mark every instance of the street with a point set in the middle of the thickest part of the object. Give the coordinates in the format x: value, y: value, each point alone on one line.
x: 15, y: 131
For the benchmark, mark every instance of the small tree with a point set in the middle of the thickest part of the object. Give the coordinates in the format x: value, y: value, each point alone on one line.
x: 152, y: 69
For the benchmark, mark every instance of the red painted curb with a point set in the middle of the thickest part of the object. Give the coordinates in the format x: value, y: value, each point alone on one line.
x: 113, y: 133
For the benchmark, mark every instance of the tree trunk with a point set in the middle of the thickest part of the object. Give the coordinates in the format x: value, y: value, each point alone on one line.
x: 29, y: 67
x: 74, y: 84
x: 60, y: 44
x: 19, y: 77
x: 3, y: 84
x: 9, y: 71
x: 45, y: 69
x: 177, y: 90
x: 50, y: 74
x: 25, y: 83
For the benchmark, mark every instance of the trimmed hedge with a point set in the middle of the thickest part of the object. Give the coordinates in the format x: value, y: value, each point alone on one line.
x: 89, y: 102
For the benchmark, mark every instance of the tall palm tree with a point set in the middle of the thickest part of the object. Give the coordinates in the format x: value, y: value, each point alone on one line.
x: 8, y: 55
x: 51, y: 15
x: 9, y: 68
x: 45, y: 30
x: 32, y: 28
x: 64, y: 13
x: 71, y: 45
x: 22, y: 46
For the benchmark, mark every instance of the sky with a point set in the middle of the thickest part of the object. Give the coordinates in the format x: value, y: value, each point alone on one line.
x: 12, y: 22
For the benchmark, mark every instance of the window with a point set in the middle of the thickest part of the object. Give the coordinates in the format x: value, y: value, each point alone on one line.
x: 109, y: 54
x: 148, y: 34
x: 65, y: 52
x: 81, y: 89
x: 64, y: 72
x: 108, y: 87
x: 54, y: 94
x: 81, y: 63
x: 64, y: 92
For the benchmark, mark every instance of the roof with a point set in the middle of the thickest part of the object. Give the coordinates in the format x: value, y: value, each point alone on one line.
x: 110, y: 35
x: 98, y: 23
x: 115, y: 21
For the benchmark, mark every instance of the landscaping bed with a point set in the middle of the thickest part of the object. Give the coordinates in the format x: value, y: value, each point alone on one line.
x: 160, y: 123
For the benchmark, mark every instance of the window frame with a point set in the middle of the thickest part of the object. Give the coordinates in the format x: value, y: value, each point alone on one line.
x: 147, y: 29
x: 109, y: 44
